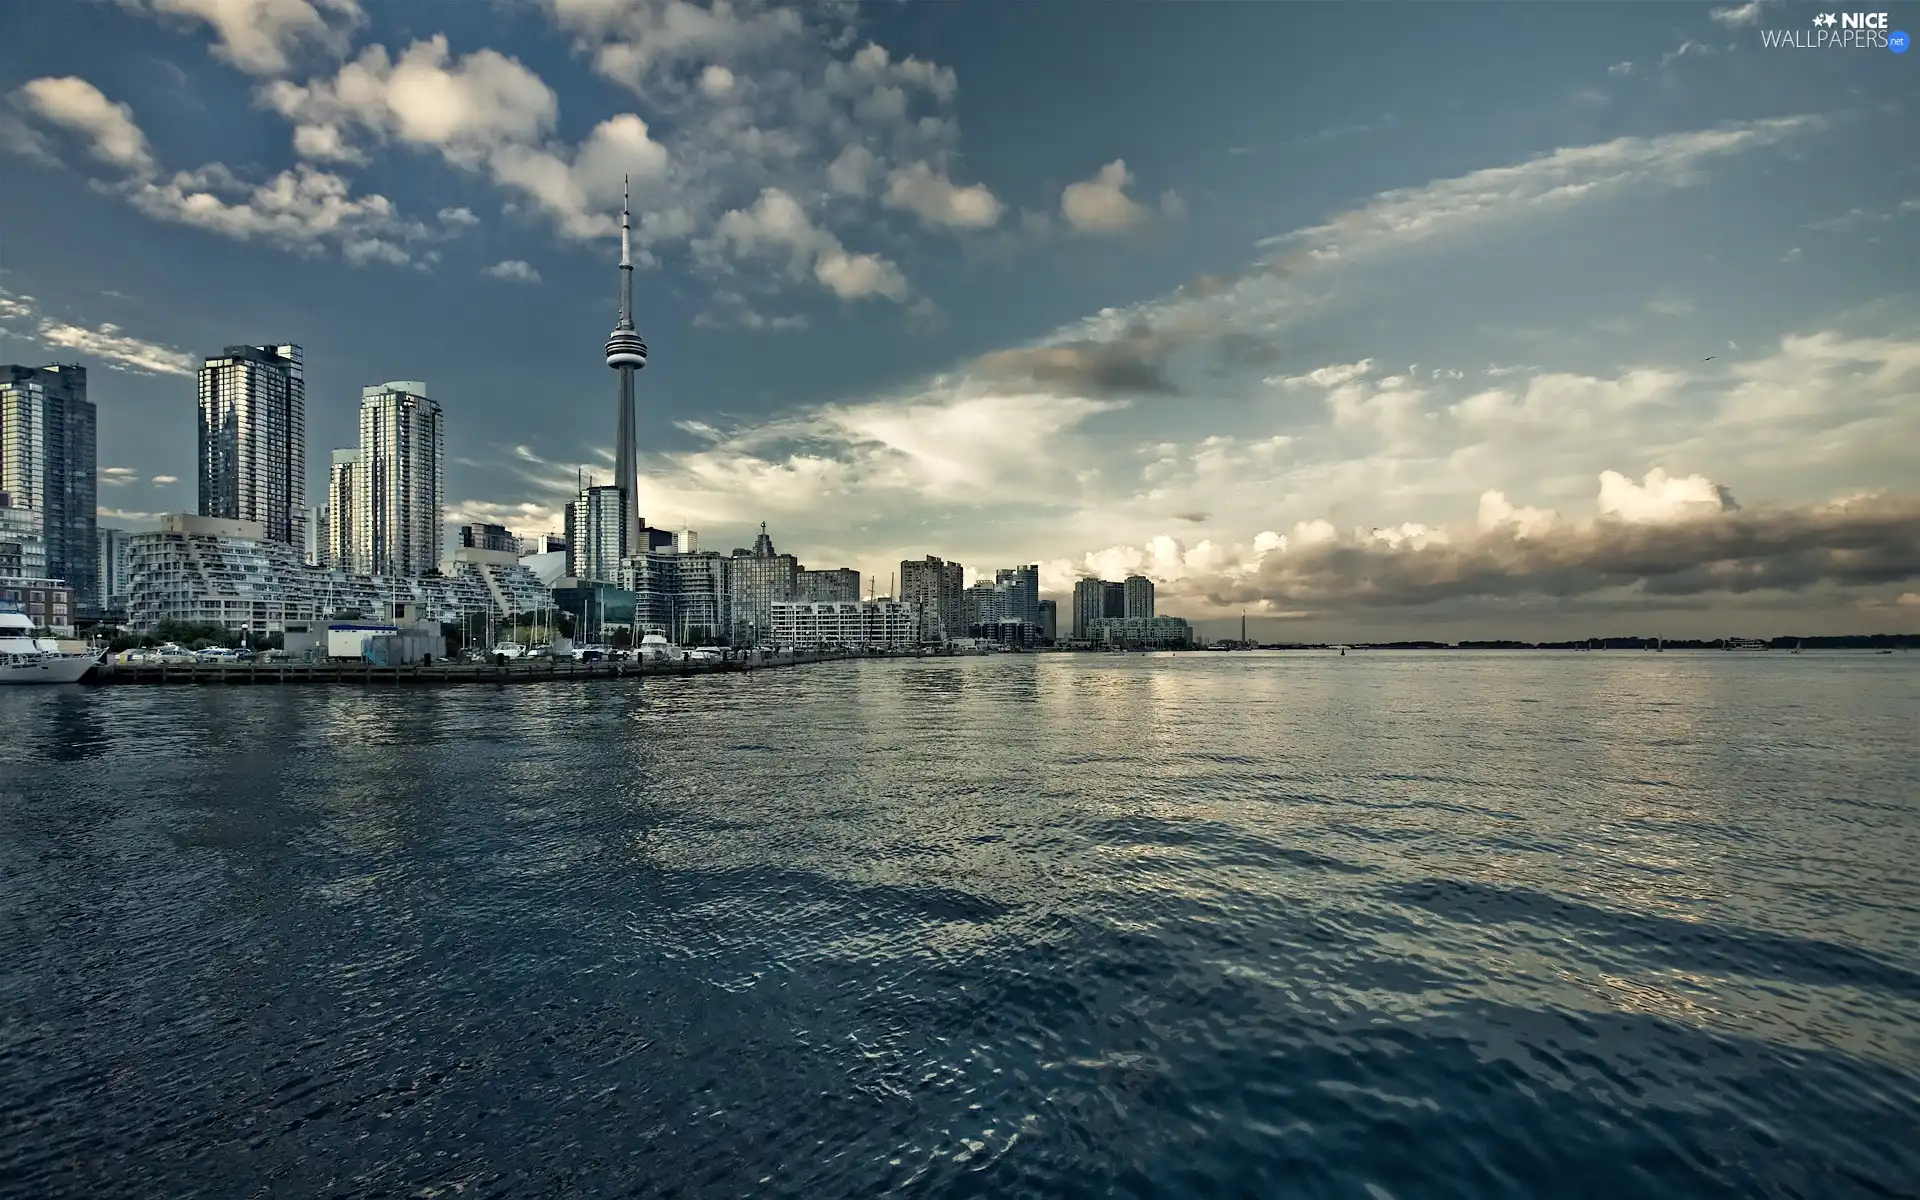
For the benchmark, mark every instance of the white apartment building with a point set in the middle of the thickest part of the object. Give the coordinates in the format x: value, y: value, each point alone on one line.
x: 857, y: 624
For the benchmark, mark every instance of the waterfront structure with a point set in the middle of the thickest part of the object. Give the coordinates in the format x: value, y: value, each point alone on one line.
x: 229, y: 573
x: 49, y: 473
x: 253, y: 439
x: 840, y: 584
x: 939, y: 588
x: 48, y: 603
x: 686, y: 598
x: 115, y: 565
x: 600, y: 610
x: 1097, y: 599
x: 857, y: 625
x: 1136, y: 602
x: 759, y: 578
x: 1022, y: 586
x: 23, y: 547
x: 399, y: 480
x: 342, y: 546
x: 597, y: 528
x: 1012, y: 598
x: 1049, y: 620
x: 626, y: 353
x: 1141, y: 633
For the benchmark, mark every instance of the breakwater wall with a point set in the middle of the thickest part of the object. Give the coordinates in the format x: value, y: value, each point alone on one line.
x: 515, y: 671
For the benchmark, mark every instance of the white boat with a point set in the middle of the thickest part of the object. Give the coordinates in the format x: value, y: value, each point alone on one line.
x: 656, y: 648
x: 509, y: 649
x: 25, y: 659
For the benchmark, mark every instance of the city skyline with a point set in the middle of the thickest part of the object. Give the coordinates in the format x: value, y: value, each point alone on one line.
x: 1397, y: 369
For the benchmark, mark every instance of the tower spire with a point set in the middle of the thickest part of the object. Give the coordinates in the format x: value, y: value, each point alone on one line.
x: 626, y: 353
x: 626, y: 256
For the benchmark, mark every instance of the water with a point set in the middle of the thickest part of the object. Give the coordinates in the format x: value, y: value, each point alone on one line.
x: 1393, y: 925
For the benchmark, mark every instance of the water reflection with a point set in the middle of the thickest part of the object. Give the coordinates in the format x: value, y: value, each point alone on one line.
x: 1060, y: 925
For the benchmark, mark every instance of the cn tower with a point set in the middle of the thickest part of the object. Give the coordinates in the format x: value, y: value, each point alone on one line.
x: 626, y: 353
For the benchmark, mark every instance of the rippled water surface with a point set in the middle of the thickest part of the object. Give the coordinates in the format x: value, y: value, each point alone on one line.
x: 1393, y: 925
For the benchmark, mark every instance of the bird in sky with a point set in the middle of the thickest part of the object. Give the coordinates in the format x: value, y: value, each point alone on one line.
x: 1708, y: 358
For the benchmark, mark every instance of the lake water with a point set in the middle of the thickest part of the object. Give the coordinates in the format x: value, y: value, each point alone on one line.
x: 1391, y: 925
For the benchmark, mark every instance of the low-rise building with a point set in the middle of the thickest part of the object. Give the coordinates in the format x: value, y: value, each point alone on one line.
x: 1141, y: 633
x: 854, y: 625
x: 48, y: 603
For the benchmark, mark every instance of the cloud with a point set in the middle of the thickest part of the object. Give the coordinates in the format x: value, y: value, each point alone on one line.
x: 1665, y: 538
x: 513, y: 270
x: 303, y: 209
x: 262, y: 37
x: 777, y: 225
x: 118, y: 476
x: 1737, y: 16
x: 1620, y: 68
x: 1792, y: 255
x: 1697, y: 49
x: 461, y: 217
x: 1101, y: 205
x: 1135, y: 362
x: 936, y: 200
x: 163, y: 480
x: 78, y: 106
x: 116, y: 350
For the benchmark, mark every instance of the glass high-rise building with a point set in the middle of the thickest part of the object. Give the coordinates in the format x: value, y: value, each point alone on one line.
x: 253, y: 439
x: 49, y: 472
x: 597, y: 526
x: 342, y: 547
x: 399, y: 481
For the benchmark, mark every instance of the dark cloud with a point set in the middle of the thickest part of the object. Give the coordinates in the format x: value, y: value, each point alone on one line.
x: 1195, y: 517
x: 1873, y: 541
x: 1135, y: 362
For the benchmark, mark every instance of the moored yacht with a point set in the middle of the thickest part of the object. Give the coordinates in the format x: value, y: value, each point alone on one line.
x: 26, y: 659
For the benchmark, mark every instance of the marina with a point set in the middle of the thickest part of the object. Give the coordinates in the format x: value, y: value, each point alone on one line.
x: 542, y: 670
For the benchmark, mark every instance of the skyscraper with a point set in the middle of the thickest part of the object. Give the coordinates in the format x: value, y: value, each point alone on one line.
x: 598, y: 527
x: 342, y: 545
x: 400, y: 480
x: 626, y: 353
x: 940, y: 589
x: 1137, y: 598
x: 116, y: 567
x: 48, y: 470
x: 253, y: 439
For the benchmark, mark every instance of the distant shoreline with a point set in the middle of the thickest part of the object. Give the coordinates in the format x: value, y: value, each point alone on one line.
x: 1873, y: 641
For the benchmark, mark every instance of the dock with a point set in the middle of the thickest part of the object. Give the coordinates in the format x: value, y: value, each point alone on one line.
x: 514, y: 671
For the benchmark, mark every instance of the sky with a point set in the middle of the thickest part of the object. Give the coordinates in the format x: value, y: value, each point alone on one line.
x: 1367, y: 321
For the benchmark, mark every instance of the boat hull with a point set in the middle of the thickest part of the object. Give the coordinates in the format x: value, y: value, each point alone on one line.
x: 54, y: 668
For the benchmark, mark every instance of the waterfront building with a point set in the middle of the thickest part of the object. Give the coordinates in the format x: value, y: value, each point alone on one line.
x: 597, y: 528
x: 216, y: 571
x: 115, y: 566
x: 601, y: 611
x: 23, y: 547
x: 253, y: 439
x: 49, y: 473
x: 939, y: 588
x: 841, y: 584
x: 1141, y: 633
x: 1137, y: 598
x: 759, y: 578
x: 1022, y: 585
x: 400, y: 480
x: 1096, y: 599
x: 229, y: 573
x: 48, y: 603
x: 686, y: 597
x: 1049, y: 620
x: 855, y: 625
x: 343, y: 545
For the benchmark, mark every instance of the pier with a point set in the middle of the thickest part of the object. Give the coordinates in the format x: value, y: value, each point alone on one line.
x: 514, y: 671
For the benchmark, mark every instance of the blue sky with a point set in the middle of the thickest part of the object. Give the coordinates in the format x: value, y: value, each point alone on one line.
x: 1364, y: 319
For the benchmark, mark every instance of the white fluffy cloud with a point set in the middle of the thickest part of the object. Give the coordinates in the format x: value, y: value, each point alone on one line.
x: 76, y: 105
x: 1101, y: 204
x: 263, y: 37
x: 936, y: 200
x: 776, y: 224
x: 1736, y: 16
x: 513, y: 270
